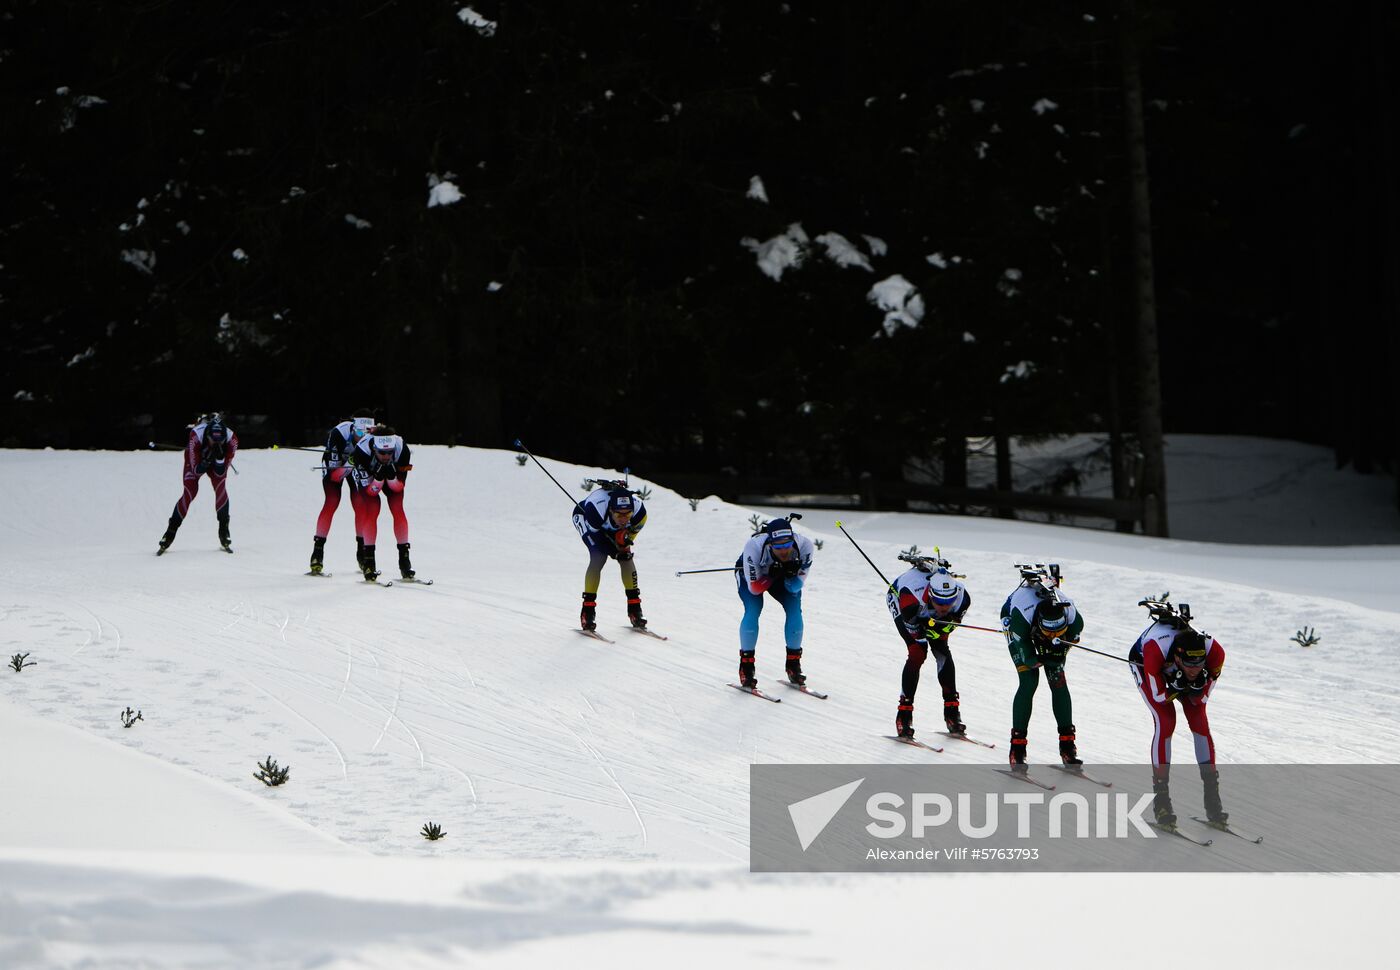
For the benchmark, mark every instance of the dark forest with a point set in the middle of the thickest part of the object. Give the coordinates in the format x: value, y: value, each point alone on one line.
x: 226, y: 205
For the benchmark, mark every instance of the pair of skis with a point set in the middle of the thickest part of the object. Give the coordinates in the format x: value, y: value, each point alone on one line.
x: 914, y: 742
x: 386, y: 583
x: 595, y: 635
x: 801, y: 688
x: 1219, y: 827
x: 164, y: 549
x: 1073, y: 770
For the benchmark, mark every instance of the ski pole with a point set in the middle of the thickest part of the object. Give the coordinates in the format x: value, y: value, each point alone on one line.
x: 527, y: 451
x: 164, y: 447
x: 862, y: 553
x: 969, y: 626
x: 1070, y: 643
x: 1110, y: 656
x: 297, y: 448
x: 692, y: 572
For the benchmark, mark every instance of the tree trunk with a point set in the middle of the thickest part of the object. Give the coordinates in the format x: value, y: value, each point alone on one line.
x: 1154, y: 470
x: 1003, y: 450
x: 955, y: 463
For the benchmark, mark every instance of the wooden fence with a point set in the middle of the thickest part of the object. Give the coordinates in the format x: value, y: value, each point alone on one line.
x: 870, y: 494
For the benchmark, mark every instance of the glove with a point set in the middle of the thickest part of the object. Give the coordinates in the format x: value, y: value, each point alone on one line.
x: 624, y: 554
x: 382, y: 472
x: 938, y: 629
x: 792, y: 584
x: 1052, y: 649
x: 219, y: 469
x: 790, y: 568
x: 1179, y: 685
x: 201, y: 468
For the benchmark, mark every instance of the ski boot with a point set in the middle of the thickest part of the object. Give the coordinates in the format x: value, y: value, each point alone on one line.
x: 746, y: 670
x: 1017, y: 757
x: 171, y: 528
x: 1162, y: 812
x: 224, y: 539
x: 405, y: 567
x: 587, y: 617
x: 904, y: 718
x: 951, y: 716
x: 634, y: 608
x: 360, y: 552
x: 1068, y: 754
x: 1215, y: 812
x: 794, y: 668
x: 367, y: 565
x: 318, y: 551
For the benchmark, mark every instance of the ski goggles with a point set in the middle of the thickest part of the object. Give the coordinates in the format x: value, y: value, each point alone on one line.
x: 784, y: 547
x: 941, y: 607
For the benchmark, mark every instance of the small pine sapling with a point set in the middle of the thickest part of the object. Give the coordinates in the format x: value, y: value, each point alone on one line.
x: 819, y: 543
x: 128, y: 718
x: 911, y: 551
x: 756, y: 521
x: 270, y: 774
x: 694, y: 503
x: 1307, y: 637
x: 432, y: 831
x: 644, y: 492
x: 20, y: 660
x: 521, y: 460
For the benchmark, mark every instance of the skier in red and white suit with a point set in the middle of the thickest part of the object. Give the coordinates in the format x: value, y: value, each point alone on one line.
x: 1173, y: 663
x: 335, y: 465
x: 384, y: 459
x: 209, y: 451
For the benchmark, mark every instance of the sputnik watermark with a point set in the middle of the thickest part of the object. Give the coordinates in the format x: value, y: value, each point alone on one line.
x: 892, y: 816
x: 1111, y: 816
x: 1119, y: 818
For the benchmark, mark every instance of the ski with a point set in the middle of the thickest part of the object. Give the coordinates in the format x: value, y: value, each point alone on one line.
x: 1022, y: 776
x: 386, y: 583
x: 964, y: 737
x: 161, y: 552
x: 594, y: 634
x: 228, y: 549
x: 322, y: 575
x: 757, y: 693
x: 806, y: 690
x: 1225, y: 827
x: 415, y: 581
x: 647, y: 633
x: 1070, y: 770
x: 913, y: 742
x: 1180, y: 834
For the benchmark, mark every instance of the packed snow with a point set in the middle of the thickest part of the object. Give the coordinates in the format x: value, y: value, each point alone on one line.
x: 594, y: 796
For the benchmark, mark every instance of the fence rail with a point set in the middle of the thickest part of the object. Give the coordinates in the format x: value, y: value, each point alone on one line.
x: 870, y: 494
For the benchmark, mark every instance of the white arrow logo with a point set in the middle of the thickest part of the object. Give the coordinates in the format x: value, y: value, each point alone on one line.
x: 811, y: 815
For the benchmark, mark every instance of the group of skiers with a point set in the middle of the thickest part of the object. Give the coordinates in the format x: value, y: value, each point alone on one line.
x: 371, y: 456
x: 1171, y: 662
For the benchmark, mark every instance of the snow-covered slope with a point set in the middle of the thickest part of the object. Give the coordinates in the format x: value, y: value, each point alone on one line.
x: 617, y: 775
